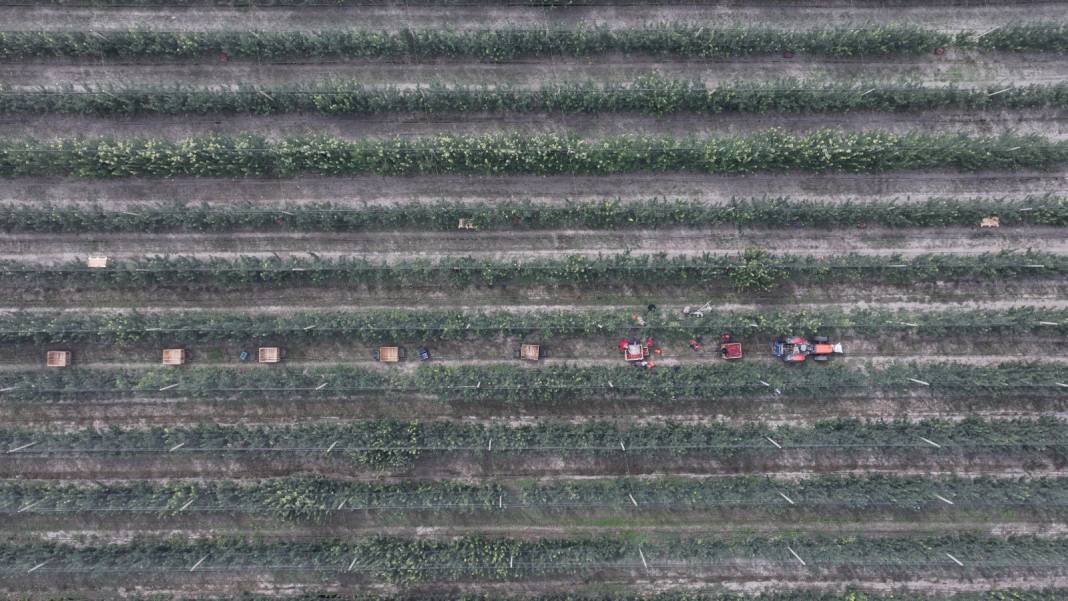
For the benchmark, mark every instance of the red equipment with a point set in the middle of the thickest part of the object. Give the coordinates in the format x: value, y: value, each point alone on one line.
x: 728, y: 348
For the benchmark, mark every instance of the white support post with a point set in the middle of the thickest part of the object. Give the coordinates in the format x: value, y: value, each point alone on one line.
x: 931, y: 442
x: 341, y: 504
x: 764, y: 383
x: 642, y: 555
x: 955, y: 560
x: 944, y: 500
x: 796, y: 556
x: 1061, y: 384
x: 772, y: 441
x: 489, y: 447
x: 353, y: 564
x: 197, y: 564
x: 168, y: 387
x: 25, y: 446
x: 31, y: 505
x: 176, y: 447
x: 331, y: 447
x: 8, y: 388
x: 500, y: 501
x: 187, y: 504
x: 1048, y: 323
x: 632, y: 499
x: 511, y: 561
x: 868, y: 92
x: 38, y: 566
x: 622, y: 446
x: 788, y: 499
x: 321, y: 386
x: 921, y: 382
x: 310, y: 328
x: 999, y: 91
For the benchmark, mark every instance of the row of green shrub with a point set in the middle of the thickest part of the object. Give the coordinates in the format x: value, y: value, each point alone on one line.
x: 512, y: 384
x: 545, y: 154
x: 651, y: 95
x: 755, y: 270
x: 507, y: 214
x: 407, y: 560
x: 392, y: 326
x: 848, y: 594
x: 304, y: 498
x: 676, y: 40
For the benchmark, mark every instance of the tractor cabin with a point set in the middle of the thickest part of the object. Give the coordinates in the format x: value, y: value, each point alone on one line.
x: 57, y: 358
x: 174, y: 356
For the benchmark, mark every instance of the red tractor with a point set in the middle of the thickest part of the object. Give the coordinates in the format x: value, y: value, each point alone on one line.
x: 795, y: 349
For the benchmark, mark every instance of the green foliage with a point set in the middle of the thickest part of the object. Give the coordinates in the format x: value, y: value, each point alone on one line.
x: 684, y: 40
x: 524, y: 215
x: 650, y: 94
x: 576, y: 270
x: 379, y: 327
x: 544, y: 154
x: 316, y: 499
x: 757, y: 272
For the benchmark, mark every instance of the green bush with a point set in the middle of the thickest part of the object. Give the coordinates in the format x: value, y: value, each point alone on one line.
x: 525, y: 215
x: 545, y: 154
x: 574, y: 270
x: 650, y: 95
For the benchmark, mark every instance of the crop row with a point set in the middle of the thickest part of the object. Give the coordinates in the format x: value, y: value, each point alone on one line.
x: 509, y: 383
x: 681, y: 40
x: 176, y: 327
x: 545, y: 154
x: 848, y: 594
x: 401, y: 560
x: 651, y: 94
x: 755, y: 270
x: 316, y: 498
x: 520, y: 215
x: 384, y: 443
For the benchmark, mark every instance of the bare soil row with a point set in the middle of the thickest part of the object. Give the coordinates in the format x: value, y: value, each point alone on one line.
x: 459, y: 17
x: 959, y: 68
x: 391, y: 247
x: 187, y: 464
x: 1051, y: 124
x: 371, y: 191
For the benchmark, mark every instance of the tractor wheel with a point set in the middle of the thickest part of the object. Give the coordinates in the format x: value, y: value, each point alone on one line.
x: 820, y: 358
x: 821, y: 339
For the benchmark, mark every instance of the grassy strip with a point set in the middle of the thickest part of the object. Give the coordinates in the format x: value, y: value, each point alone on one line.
x: 676, y: 40
x: 755, y: 270
x: 849, y: 594
x: 509, y: 383
x: 313, y: 498
x: 524, y: 215
x: 176, y: 327
x: 388, y: 443
x: 547, y: 154
x: 651, y: 95
x: 402, y: 560
x: 499, y: 44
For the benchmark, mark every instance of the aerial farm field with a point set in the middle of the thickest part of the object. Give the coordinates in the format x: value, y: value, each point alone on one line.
x: 534, y: 300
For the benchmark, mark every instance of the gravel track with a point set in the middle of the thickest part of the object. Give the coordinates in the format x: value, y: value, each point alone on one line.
x: 946, y: 18
x: 1052, y: 124
x: 960, y: 68
x: 371, y: 191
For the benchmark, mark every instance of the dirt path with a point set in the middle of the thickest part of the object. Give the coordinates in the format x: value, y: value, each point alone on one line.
x: 524, y: 245
x: 1050, y: 124
x: 960, y: 68
x: 370, y: 191
x: 946, y: 18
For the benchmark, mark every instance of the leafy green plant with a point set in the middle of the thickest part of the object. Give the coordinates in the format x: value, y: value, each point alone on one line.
x: 545, y: 154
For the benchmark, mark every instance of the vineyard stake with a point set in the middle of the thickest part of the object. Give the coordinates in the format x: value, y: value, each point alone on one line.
x: 777, y: 445
x: 642, y: 555
x: 38, y: 566
x: 176, y: 447
x: 34, y: 504
x: 796, y: 556
x: 931, y: 442
x: 168, y: 387
x: 788, y: 499
x: 955, y: 560
x: 944, y: 500
x: 622, y: 447
x: 187, y: 504
x: 197, y: 564
x: 919, y: 381
x: 632, y: 499
x: 331, y: 447
x: 353, y: 564
x: 25, y: 446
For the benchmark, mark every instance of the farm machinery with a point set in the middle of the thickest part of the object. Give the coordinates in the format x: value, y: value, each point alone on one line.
x: 795, y: 349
